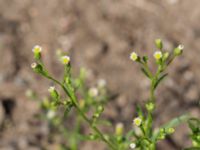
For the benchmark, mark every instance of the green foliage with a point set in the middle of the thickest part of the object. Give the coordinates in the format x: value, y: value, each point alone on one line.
x: 194, y: 125
x: 83, y: 101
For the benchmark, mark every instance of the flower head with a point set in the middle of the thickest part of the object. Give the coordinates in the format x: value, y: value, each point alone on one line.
x: 137, y: 121
x: 181, y: 47
x: 134, y: 56
x: 119, y: 129
x: 53, y: 92
x: 37, y: 52
x: 93, y: 92
x: 51, y: 89
x: 178, y: 50
x: 51, y: 114
x: 34, y: 65
x: 65, y: 60
x: 101, y: 83
x: 158, y: 55
x: 37, y: 49
x: 132, y: 145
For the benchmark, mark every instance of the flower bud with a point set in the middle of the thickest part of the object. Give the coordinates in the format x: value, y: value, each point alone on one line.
x: 178, y: 50
x: 53, y: 92
x: 82, y: 103
x: 100, y: 109
x: 150, y: 106
x: 165, y: 56
x: 170, y: 130
x: 119, y: 129
x: 101, y: 83
x: 37, y: 67
x: 37, y: 52
x: 51, y: 114
x: 93, y: 92
x: 159, y: 43
x: 132, y: 145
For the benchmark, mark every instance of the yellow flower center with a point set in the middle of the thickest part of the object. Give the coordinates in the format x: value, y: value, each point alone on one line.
x: 137, y: 121
x: 158, y: 55
x: 133, y: 56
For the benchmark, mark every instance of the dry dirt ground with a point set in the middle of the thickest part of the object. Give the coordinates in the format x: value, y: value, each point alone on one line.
x: 99, y: 35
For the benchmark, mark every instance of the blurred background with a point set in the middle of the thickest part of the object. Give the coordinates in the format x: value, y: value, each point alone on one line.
x: 99, y: 35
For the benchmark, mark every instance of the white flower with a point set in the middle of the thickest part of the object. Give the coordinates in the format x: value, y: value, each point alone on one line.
x: 101, y: 83
x: 65, y: 60
x: 181, y: 47
x: 33, y: 65
x: 137, y: 121
x: 133, y: 56
x: 51, y: 89
x: 132, y: 145
x: 51, y: 114
x: 93, y: 92
x: 157, y: 55
x: 37, y: 49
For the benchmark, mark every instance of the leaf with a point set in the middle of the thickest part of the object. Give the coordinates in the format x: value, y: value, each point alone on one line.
x: 145, y: 72
x: 130, y: 134
x: 145, y: 58
x: 160, y: 79
x: 139, y: 111
x: 194, y: 125
x: 173, y: 123
x: 177, y: 121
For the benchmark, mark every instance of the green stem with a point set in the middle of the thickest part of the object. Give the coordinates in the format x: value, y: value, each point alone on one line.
x: 74, y: 101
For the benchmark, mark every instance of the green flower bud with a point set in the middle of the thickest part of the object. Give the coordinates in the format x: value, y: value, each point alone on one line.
x: 165, y: 56
x: 198, y: 138
x: 150, y: 106
x: 170, y: 130
x: 178, y: 50
x: 145, y: 58
x: 100, y: 109
x: 93, y: 137
x: 161, y: 137
x: 119, y: 129
x: 53, y: 92
x: 159, y: 43
x: 45, y: 103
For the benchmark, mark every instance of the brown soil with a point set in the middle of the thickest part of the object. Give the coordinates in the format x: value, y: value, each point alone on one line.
x: 99, y: 35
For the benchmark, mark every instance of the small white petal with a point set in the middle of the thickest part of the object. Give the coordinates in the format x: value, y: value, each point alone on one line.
x: 33, y: 65
x: 132, y: 145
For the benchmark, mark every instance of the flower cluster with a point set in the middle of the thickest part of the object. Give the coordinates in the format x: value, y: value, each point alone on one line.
x: 88, y: 104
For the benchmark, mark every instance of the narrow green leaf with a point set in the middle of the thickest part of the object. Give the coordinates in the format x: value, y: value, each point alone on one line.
x: 160, y: 79
x: 173, y: 123
x: 145, y: 72
x: 194, y: 125
x: 139, y: 111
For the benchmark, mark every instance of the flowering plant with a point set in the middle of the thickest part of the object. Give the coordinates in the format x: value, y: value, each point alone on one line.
x: 142, y: 136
